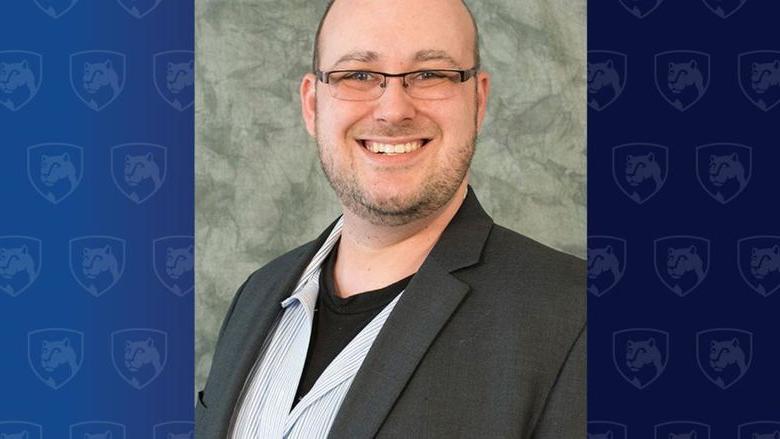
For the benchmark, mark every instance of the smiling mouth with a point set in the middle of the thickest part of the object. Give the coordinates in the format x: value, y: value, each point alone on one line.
x: 393, y: 148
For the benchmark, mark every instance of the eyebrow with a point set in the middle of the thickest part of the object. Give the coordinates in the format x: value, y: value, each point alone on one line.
x: 367, y: 56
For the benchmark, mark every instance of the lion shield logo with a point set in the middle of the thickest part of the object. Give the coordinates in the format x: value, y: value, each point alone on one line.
x: 640, y: 169
x: 682, y: 77
x: 174, y: 77
x: 55, y: 355
x: 97, y: 430
x: 55, y: 8
x: 173, y: 258
x: 640, y: 8
x: 724, y: 355
x: 759, y: 263
x: 174, y: 430
x: 138, y: 169
x: 97, y: 262
x: 724, y: 8
x: 607, y: 430
x: 724, y: 169
x: 21, y: 73
x: 760, y: 430
x: 759, y: 77
x: 682, y: 430
x: 139, y: 8
x: 607, y: 72
x: 20, y: 430
x: 682, y: 262
x: 20, y: 263
x: 97, y: 77
x: 139, y: 355
x: 606, y: 263
x: 640, y: 354
x: 55, y: 169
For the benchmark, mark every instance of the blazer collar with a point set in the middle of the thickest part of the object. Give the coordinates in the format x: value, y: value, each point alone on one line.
x: 431, y: 298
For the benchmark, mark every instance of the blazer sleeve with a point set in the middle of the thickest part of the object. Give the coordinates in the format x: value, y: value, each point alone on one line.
x: 564, y: 415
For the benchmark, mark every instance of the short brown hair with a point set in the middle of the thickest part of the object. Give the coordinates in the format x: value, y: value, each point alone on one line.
x: 316, y: 55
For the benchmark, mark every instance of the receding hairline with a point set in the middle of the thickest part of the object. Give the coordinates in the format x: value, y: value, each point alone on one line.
x: 316, y: 52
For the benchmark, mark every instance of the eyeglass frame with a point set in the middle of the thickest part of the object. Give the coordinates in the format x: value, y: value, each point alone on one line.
x: 465, y: 75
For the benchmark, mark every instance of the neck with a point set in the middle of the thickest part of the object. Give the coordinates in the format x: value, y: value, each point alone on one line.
x: 373, y: 256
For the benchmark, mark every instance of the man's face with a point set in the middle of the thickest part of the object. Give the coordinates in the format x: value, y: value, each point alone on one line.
x: 401, y: 36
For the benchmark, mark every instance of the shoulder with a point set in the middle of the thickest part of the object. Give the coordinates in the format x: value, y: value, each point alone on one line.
x: 280, y: 266
x: 529, y: 263
x: 541, y: 288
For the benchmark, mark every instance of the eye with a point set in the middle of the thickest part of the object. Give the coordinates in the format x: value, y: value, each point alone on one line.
x: 429, y: 74
x: 358, y: 76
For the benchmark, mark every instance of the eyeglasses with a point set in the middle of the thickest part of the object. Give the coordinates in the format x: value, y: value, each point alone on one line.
x: 365, y: 85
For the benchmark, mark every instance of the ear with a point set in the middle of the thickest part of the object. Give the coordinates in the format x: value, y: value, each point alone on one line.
x: 309, y: 102
x: 483, y: 91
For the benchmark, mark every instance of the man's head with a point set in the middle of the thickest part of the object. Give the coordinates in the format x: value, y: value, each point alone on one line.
x: 396, y: 37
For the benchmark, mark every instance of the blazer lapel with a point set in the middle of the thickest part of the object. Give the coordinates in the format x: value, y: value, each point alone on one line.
x: 247, y: 329
x: 425, y: 307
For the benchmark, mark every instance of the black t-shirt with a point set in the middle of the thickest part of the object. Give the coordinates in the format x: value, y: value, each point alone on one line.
x: 337, y: 321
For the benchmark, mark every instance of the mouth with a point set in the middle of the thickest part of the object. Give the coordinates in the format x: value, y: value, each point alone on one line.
x: 399, y: 147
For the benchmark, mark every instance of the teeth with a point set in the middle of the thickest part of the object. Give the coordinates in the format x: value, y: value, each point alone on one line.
x: 401, y: 148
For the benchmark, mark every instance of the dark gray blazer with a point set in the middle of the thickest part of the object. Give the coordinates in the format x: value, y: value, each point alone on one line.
x: 488, y: 341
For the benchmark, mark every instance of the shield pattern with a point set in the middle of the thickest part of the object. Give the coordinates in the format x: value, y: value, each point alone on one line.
x: 759, y: 430
x: 724, y: 355
x: 640, y: 8
x: 174, y: 430
x: 21, y: 73
x: 640, y: 354
x: 682, y: 77
x: 139, y: 8
x: 755, y: 72
x: 758, y: 258
x: 98, y: 77
x: 97, y: 430
x: 640, y: 169
x: 606, y: 263
x: 20, y: 429
x: 55, y: 170
x: 682, y: 262
x: 139, y: 355
x: 139, y: 169
x: 682, y: 430
x: 55, y: 355
x: 20, y: 263
x: 607, y: 430
x: 55, y: 8
x: 607, y: 77
x: 97, y: 262
x: 724, y: 8
x: 173, y: 258
x: 724, y: 169
x: 174, y: 74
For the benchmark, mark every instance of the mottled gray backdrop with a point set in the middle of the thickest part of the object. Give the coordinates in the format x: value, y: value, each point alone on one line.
x: 256, y: 167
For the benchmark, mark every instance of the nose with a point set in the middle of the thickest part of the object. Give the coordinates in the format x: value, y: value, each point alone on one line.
x: 394, y: 105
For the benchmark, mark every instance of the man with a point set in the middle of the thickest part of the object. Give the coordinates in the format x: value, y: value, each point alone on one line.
x: 413, y: 315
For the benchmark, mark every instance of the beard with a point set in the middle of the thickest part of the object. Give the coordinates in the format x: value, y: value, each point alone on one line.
x: 438, y: 189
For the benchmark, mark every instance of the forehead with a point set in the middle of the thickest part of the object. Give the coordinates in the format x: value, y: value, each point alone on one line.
x: 397, y: 32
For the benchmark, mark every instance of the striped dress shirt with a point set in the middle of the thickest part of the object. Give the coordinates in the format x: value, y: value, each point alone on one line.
x: 263, y: 411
